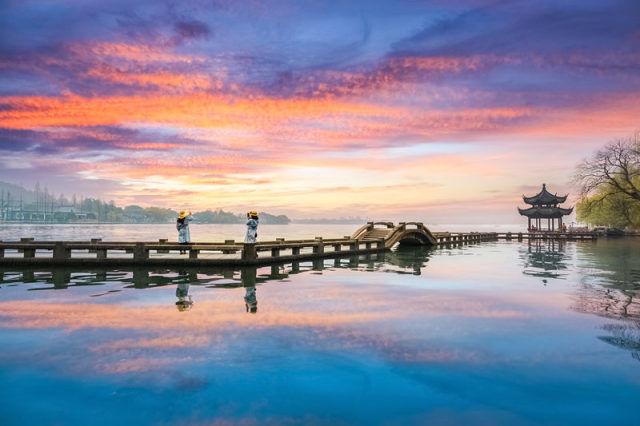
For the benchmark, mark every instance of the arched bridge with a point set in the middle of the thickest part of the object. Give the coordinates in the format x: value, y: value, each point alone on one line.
x: 408, y: 233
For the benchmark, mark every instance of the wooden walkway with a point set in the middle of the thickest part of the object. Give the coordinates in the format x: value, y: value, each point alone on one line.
x: 370, y: 238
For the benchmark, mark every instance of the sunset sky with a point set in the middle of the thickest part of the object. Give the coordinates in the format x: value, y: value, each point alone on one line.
x: 442, y: 111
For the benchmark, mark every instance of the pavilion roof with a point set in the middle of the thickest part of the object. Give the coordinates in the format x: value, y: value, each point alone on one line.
x: 544, y: 197
x: 545, y: 212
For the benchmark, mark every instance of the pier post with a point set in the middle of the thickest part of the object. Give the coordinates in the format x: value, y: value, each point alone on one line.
x: 319, y: 247
x: 318, y: 264
x: 140, y: 252
x: 353, y: 247
x: 101, y: 253
x: 228, y: 242
x: 367, y: 246
x: 249, y: 252
x: 60, y: 278
x: 275, y: 252
x: 193, y: 254
x: 27, y: 252
x: 295, y: 251
x: 337, y: 248
x: 60, y: 252
x: 94, y: 241
x: 162, y: 241
x: 140, y: 278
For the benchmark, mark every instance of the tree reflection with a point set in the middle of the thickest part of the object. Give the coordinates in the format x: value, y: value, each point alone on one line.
x: 608, y: 287
x: 610, y: 290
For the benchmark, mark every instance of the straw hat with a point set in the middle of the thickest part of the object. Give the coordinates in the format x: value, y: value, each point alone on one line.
x: 184, y: 305
x: 182, y: 214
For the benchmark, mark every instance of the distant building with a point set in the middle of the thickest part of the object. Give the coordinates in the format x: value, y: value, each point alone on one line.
x: 544, y: 205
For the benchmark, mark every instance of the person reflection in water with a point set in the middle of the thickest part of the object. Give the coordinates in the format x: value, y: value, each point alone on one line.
x: 250, y: 300
x: 248, y: 277
x: 184, y: 302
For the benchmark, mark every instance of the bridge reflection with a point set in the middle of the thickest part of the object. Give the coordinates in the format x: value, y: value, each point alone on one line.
x: 606, y: 284
x: 404, y: 260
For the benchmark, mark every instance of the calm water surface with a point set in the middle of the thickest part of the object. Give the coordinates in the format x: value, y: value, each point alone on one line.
x: 495, y: 333
x: 205, y: 232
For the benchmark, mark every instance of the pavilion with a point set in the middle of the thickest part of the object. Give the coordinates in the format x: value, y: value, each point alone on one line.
x: 544, y: 205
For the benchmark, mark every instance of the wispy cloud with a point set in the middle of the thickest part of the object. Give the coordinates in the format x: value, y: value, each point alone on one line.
x: 226, y: 98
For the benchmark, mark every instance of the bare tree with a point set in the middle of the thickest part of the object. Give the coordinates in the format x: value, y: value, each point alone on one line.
x: 616, y: 167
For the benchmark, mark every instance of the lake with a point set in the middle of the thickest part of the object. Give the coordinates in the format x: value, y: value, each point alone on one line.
x: 506, y: 333
x: 205, y: 232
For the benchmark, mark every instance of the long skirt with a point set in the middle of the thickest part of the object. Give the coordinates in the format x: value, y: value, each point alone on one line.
x: 183, y: 235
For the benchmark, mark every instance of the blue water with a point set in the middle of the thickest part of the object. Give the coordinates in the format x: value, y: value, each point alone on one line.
x: 500, y: 333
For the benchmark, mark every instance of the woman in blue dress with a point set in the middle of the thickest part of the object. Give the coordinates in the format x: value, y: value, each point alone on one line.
x: 252, y: 227
x: 182, y: 225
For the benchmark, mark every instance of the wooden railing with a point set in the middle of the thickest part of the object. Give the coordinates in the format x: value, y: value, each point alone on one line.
x: 63, y: 252
x: 28, y: 251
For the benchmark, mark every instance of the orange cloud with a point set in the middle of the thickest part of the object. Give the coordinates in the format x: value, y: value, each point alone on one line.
x: 161, y: 80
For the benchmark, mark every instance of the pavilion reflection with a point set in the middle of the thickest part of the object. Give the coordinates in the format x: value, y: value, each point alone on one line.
x: 545, y: 259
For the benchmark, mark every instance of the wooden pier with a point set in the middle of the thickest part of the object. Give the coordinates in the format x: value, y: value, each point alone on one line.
x: 370, y: 238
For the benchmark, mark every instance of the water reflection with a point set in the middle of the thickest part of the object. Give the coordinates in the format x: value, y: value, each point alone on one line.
x: 459, y: 328
x: 610, y: 289
x: 248, y: 277
x: 545, y: 259
x: 184, y: 302
x: 401, y: 261
x: 609, y: 284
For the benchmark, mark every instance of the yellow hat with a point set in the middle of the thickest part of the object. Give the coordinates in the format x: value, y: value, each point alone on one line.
x: 183, y: 305
x: 182, y: 214
x: 252, y: 213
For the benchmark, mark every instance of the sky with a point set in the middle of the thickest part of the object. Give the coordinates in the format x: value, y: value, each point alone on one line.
x: 440, y: 111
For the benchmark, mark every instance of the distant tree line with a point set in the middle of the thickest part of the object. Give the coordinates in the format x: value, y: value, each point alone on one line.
x: 610, y: 185
x: 18, y: 204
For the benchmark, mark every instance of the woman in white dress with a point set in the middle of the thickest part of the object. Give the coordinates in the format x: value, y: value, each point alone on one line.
x: 252, y: 227
x: 182, y: 225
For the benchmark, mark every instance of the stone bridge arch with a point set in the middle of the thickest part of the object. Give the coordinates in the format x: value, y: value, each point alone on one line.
x: 405, y: 233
